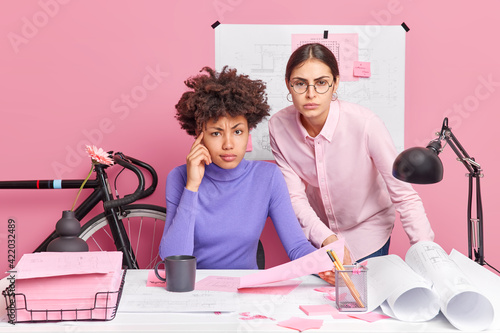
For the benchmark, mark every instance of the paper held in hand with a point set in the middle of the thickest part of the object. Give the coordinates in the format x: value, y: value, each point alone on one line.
x: 313, y: 263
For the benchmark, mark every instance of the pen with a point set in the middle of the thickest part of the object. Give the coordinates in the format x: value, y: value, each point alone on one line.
x: 346, y: 278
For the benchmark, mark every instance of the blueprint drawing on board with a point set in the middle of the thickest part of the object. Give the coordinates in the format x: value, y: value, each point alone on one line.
x: 262, y: 51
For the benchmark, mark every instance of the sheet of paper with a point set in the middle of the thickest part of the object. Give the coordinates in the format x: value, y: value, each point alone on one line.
x: 275, y: 288
x: 408, y: 294
x: 343, y: 46
x: 488, y: 283
x: 43, y: 264
x: 137, y: 297
x: 264, y: 51
x: 460, y: 300
x: 85, y: 292
x: 369, y: 317
x: 68, y: 287
x: 313, y: 263
x: 219, y: 283
x: 64, y: 281
x: 230, y: 284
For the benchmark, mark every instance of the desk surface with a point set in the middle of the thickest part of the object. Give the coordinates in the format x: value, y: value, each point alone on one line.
x: 275, y: 306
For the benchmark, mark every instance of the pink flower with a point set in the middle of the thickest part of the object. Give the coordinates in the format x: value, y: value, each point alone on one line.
x: 98, y: 156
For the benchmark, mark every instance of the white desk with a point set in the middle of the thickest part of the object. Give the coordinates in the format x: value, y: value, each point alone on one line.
x: 278, y: 307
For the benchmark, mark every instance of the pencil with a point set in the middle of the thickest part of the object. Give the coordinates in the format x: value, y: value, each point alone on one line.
x: 338, y: 266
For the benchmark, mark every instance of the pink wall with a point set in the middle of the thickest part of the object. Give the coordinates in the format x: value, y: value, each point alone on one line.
x: 67, y: 68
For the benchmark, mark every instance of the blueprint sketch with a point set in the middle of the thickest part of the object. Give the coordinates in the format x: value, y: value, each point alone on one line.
x: 262, y: 51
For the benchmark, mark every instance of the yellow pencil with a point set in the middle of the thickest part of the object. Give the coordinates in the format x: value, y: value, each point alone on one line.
x: 338, y: 266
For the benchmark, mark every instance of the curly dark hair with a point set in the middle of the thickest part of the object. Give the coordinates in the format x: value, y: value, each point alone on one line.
x: 218, y: 95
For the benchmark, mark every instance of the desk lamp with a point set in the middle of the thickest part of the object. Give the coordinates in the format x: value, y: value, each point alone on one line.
x: 420, y: 165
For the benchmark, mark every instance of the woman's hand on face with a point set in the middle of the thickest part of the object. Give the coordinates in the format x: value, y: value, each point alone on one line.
x: 198, y: 157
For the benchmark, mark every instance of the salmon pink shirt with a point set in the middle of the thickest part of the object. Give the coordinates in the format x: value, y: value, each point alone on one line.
x: 341, y: 182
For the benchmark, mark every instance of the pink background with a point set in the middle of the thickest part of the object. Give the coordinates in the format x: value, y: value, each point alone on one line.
x: 66, y: 65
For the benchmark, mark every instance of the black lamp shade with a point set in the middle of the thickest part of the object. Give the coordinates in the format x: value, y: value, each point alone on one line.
x: 418, y: 166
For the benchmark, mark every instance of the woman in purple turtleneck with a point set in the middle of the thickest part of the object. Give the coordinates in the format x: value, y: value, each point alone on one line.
x: 218, y: 202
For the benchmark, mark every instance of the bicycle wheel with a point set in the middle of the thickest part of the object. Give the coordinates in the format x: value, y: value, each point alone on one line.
x: 144, y: 226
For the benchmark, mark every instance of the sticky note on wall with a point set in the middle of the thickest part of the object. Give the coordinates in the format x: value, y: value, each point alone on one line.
x: 249, y: 144
x: 361, y: 69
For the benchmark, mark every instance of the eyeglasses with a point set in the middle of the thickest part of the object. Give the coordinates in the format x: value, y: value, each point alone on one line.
x: 300, y: 87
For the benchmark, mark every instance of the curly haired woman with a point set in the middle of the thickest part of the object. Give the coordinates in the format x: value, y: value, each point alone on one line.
x: 218, y: 202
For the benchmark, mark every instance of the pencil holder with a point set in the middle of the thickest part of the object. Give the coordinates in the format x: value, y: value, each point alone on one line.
x: 351, y: 289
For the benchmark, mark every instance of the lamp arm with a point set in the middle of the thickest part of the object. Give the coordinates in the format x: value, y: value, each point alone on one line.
x: 474, y: 225
x: 472, y: 166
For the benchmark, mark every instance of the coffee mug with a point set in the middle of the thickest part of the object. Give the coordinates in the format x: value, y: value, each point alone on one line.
x: 180, y: 273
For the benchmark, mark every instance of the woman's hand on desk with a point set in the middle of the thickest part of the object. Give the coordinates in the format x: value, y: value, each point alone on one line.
x: 328, y: 276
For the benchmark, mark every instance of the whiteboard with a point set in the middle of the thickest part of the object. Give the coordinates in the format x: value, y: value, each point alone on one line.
x: 262, y: 51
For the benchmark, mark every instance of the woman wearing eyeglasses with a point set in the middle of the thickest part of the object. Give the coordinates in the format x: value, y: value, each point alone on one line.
x: 337, y: 161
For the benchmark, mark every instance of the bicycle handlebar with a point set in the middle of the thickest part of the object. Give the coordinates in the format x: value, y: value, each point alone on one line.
x: 140, y: 192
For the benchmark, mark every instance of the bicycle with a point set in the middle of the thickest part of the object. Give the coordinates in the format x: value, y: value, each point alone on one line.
x: 121, y: 221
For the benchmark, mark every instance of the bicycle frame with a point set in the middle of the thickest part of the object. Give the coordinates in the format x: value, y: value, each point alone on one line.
x: 102, y: 192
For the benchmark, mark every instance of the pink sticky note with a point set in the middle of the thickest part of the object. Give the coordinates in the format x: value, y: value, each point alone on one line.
x: 301, y: 324
x: 361, y: 69
x: 325, y: 289
x: 369, y: 317
x: 318, y: 310
x: 249, y: 143
x: 153, y: 281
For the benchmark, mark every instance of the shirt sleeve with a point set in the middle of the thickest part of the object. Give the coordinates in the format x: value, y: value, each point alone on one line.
x: 312, y: 226
x: 405, y: 199
x: 285, y: 221
x: 178, y: 234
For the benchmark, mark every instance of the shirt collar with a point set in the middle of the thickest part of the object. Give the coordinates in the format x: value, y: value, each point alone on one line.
x: 217, y: 173
x: 330, y: 124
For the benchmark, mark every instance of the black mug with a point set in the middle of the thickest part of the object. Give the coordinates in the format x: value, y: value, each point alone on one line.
x: 180, y: 273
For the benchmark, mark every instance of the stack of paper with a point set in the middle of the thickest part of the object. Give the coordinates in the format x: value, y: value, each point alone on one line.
x: 430, y: 281
x: 67, y: 281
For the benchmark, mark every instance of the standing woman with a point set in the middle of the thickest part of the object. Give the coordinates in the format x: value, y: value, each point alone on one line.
x: 218, y: 202
x: 337, y: 161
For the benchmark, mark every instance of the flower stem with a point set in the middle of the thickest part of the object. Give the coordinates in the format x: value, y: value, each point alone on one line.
x: 83, y: 184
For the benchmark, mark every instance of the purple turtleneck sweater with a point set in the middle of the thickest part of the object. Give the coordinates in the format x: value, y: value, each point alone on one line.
x: 221, y: 223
